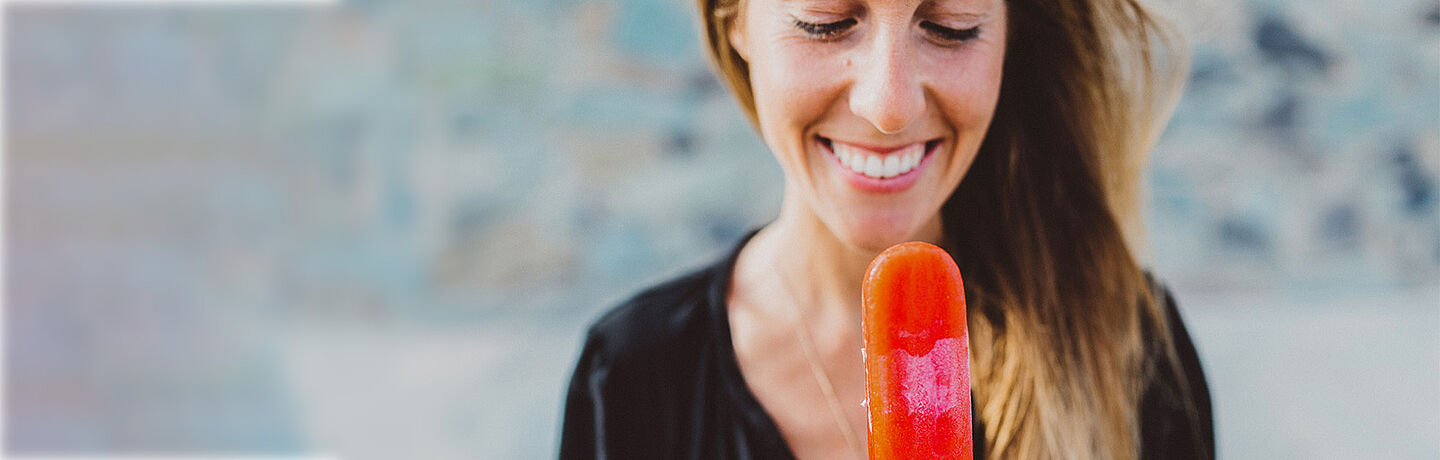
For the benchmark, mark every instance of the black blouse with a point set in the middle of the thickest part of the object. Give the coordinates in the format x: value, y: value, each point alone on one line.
x: 658, y: 379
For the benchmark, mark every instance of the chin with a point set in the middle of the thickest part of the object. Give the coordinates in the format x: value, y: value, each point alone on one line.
x: 874, y: 232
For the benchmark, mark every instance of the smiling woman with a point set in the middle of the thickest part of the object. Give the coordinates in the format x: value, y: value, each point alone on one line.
x: 828, y: 86
x: 1008, y: 132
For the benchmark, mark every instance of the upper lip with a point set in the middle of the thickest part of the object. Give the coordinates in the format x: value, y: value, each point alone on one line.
x: 879, y: 149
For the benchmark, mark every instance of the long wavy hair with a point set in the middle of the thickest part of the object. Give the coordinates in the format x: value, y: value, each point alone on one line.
x: 1042, y: 226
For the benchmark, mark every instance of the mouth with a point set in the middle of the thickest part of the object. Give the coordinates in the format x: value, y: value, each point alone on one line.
x: 880, y: 169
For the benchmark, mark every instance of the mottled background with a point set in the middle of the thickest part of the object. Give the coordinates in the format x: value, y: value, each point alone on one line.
x: 377, y: 229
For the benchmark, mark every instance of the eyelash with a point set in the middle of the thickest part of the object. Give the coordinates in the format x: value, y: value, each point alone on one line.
x: 951, y: 35
x: 824, y: 31
x: 830, y: 31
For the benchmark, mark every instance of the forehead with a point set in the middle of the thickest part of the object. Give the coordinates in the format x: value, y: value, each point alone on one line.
x: 886, y: 2
x: 937, y: 6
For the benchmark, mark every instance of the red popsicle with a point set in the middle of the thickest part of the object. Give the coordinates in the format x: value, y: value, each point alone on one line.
x: 917, y: 355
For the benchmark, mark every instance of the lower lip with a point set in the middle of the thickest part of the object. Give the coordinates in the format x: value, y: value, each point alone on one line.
x: 895, y: 184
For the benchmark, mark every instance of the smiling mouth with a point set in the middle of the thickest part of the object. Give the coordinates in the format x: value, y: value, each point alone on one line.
x: 879, y: 165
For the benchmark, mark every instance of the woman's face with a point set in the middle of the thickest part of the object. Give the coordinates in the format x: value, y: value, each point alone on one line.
x: 874, y: 108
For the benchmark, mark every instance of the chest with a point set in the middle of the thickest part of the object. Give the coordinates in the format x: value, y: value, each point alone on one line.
x: 790, y: 384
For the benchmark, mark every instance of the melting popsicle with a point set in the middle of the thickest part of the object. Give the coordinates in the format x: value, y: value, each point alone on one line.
x: 917, y: 355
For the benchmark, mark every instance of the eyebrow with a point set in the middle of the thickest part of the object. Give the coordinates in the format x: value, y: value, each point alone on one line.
x: 838, y: 2
x: 926, y: 6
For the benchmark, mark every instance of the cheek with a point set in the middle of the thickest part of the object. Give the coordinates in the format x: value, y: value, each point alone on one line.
x: 792, y: 88
x: 968, y: 89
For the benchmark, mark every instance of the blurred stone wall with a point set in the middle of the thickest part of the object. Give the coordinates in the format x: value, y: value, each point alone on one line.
x: 377, y: 229
x: 1305, y: 151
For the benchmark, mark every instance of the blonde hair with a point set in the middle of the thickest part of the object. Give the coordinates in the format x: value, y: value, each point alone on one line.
x: 1058, y: 301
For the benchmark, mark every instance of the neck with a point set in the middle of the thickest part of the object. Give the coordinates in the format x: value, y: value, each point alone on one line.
x: 820, y: 271
x: 817, y: 268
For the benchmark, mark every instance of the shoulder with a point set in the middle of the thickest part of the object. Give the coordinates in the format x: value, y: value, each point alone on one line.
x: 625, y: 395
x: 1164, y: 326
x: 1176, y: 419
x: 669, y: 321
x: 650, y: 324
x: 662, y: 334
x: 1169, y: 349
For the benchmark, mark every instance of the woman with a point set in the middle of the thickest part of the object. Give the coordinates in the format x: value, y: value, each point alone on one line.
x: 876, y: 111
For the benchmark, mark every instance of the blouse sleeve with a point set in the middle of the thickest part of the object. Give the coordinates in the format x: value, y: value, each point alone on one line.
x: 1175, y: 417
x: 612, y: 409
x: 583, y: 425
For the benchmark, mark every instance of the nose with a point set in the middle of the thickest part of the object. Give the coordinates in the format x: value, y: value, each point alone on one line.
x: 887, y: 90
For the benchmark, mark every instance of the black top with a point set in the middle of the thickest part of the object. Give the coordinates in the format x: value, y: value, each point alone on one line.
x: 658, y: 379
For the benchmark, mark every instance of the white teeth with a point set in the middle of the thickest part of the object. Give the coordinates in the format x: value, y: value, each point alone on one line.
x: 892, y: 166
x: 879, y: 166
x: 874, y: 166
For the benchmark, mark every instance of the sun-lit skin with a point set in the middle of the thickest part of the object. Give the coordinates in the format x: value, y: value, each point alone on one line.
x: 895, y: 74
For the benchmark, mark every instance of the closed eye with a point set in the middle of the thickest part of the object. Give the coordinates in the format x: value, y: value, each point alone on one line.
x: 825, y: 31
x: 949, y: 35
